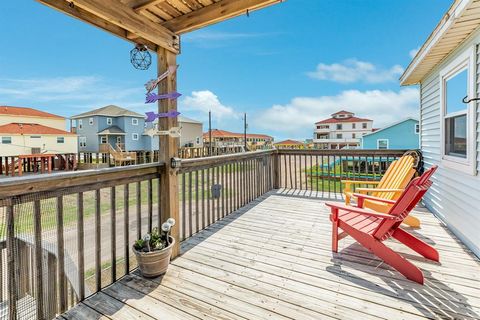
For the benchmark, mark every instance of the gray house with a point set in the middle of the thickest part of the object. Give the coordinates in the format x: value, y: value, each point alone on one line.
x: 123, y: 129
x: 110, y: 125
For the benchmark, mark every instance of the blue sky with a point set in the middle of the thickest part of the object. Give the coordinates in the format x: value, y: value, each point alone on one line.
x: 287, y: 66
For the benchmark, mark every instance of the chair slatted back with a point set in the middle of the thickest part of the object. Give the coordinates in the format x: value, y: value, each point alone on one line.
x: 398, y: 175
x: 407, y: 201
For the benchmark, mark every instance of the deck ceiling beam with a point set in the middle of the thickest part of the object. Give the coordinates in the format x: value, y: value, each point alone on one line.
x: 106, y: 13
x: 214, y: 13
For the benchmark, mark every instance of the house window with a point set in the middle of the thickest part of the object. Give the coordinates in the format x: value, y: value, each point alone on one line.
x: 353, y: 135
x: 82, y: 141
x: 339, y: 136
x: 458, y: 118
x: 134, y: 122
x: 354, y: 125
x: 80, y: 124
x: 382, y: 144
x: 339, y: 126
x: 197, y: 140
x: 35, y: 137
x: 364, y: 126
x: 135, y: 136
x: 60, y: 139
x: 103, y: 140
x: 417, y: 128
x: 109, y: 121
x: 6, y: 140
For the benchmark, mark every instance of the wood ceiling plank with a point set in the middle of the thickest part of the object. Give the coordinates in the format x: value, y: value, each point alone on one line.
x: 168, y: 8
x: 214, y: 13
x: 180, y: 6
x: 161, y: 13
x: 193, y: 4
x: 126, y: 18
x: 151, y: 16
x: 145, y: 4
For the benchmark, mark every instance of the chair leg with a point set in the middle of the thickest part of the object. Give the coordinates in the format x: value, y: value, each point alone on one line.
x: 416, y: 244
x: 335, y: 236
x: 395, y: 260
x: 412, y: 221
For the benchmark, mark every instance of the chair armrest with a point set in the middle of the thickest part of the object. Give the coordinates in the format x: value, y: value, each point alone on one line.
x: 338, y: 206
x: 360, y: 181
x: 362, y: 197
x: 366, y: 190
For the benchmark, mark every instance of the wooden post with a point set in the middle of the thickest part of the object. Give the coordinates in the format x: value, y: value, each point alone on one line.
x: 276, y: 170
x: 168, y: 146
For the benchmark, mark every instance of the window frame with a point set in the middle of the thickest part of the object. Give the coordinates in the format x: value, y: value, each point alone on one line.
x: 62, y: 139
x: 109, y: 121
x: 464, y: 61
x: 103, y: 138
x: 5, y: 137
x: 378, y: 144
x: 80, y: 124
x: 91, y: 121
x: 339, y: 126
x: 364, y: 125
x: 417, y: 128
x: 135, y: 135
x: 134, y: 122
x: 82, y: 141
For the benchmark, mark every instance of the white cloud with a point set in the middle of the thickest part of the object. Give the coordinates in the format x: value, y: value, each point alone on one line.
x: 353, y: 70
x: 205, y: 101
x: 412, y: 53
x: 297, y: 118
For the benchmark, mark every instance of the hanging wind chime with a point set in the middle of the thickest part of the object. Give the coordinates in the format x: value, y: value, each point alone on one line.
x: 140, y: 57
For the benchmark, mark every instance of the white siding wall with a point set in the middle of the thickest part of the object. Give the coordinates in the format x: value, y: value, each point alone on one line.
x: 455, y: 196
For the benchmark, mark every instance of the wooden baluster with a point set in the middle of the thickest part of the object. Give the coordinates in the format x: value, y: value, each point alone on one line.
x: 197, y: 212
x: 224, y: 190
x: 230, y: 183
x: 62, y: 299
x: 37, y: 229
x: 126, y: 228
x: 322, y: 174
x: 113, y: 232
x: 190, y: 204
x: 98, y: 242
x: 217, y: 181
x: 150, y: 204
x: 139, y: 210
x: 11, y: 266
x: 203, y: 196
x: 184, y: 207
x: 80, y: 247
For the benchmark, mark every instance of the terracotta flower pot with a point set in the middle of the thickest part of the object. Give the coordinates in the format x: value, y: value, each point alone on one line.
x: 154, y: 263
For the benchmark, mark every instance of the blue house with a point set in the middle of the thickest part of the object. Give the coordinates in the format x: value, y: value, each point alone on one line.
x: 399, y: 135
x: 114, y: 126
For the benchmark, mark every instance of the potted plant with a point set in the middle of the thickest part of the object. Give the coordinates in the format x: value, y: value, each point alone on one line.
x: 153, y: 251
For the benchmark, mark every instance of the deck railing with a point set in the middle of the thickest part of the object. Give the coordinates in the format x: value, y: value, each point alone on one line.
x: 66, y: 236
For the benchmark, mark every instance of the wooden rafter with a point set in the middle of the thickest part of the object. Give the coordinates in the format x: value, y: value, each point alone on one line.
x: 214, y: 13
x: 114, y: 17
x: 144, y: 4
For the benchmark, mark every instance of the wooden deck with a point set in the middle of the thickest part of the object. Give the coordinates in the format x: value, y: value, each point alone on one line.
x: 272, y: 259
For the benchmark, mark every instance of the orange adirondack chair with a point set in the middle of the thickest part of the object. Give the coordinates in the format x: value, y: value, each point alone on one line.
x: 371, y: 228
x: 390, y: 187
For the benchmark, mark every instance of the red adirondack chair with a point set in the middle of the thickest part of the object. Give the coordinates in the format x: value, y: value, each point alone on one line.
x: 371, y: 228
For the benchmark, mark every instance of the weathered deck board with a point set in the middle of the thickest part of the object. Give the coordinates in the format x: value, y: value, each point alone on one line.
x: 272, y: 259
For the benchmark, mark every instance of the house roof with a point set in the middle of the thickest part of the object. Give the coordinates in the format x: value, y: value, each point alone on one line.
x: 217, y: 133
x: 390, y: 125
x: 188, y: 120
x: 350, y: 119
x: 31, y: 128
x: 113, y: 130
x: 341, y: 112
x: 458, y: 23
x: 109, y: 111
x: 26, y: 112
x: 289, y: 142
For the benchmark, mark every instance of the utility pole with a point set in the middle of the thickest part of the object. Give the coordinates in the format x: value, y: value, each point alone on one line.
x: 210, y: 133
x: 245, y: 130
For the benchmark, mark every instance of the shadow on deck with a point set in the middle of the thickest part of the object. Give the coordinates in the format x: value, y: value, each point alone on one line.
x: 272, y: 259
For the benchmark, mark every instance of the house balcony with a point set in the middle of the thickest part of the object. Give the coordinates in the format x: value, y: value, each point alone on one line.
x: 259, y: 249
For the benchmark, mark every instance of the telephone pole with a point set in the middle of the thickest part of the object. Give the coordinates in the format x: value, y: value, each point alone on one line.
x: 245, y: 130
x: 210, y: 149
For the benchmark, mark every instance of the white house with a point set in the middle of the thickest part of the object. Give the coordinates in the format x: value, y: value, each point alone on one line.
x: 342, y: 130
x: 447, y: 69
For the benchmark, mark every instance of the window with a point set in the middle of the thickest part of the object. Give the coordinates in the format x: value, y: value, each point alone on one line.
x: 103, y: 140
x: 417, y: 128
x: 382, y: 144
x: 353, y: 135
x: 458, y: 118
x: 339, y: 126
x: 109, y: 121
x: 364, y: 125
x: 354, y: 125
x: 82, y: 141
x: 35, y: 137
x: 119, y: 139
x: 197, y: 140
x: 60, y: 139
x: 80, y: 124
x: 90, y: 121
x: 135, y: 136
x: 134, y: 122
x: 6, y: 140
x: 339, y: 136
x: 323, y: 126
